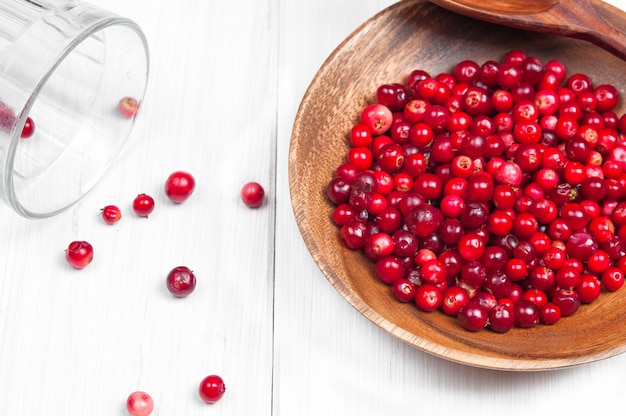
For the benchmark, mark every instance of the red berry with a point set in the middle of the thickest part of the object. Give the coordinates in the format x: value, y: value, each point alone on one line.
x: 403, y: 290
x: 549, y: 313
x: 143, y: 205
x: 509, y: 173
x: 501, y: 318
x: 473, y: 316
x: 181, y: 281
x: 128, y: 107
x: 612, y: 279
x: 139, y: 403
x: 526, y: 314
x: 252, y: 194
x: 211, y: 389
x: 79, y: 254
x: 428, y: 297
x: 567, y: 300
x: 111, y: 214
x: 377, y: 117
x: 29, y: 128
x: 179, y: 186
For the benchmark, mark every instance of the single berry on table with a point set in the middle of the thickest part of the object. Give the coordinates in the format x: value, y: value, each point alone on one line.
x: 79, y: 254
x: 211, y: 389
x: 252, y: 194
x: 143, y: 205
x: 111, y: 214
x: 181, y: 281
x: 139, y: 403
x: 179, y: 186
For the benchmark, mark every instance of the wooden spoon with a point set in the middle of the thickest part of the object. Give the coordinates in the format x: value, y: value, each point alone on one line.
x: 590, y: 20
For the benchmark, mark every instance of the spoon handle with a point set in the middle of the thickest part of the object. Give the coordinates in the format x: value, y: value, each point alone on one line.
x: 591, y: 20
x: 595, y: 21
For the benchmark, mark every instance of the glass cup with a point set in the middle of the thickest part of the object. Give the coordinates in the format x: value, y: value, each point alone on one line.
x: 76, y: 72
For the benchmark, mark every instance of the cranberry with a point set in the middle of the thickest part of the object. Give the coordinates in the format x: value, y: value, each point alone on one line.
x: 128, y: 107
x: 474, y: 215
x: 536, y: 296
x: 111, y: 214
x: 389, y: 269
x: 403, y: 290
x: 526, y: 314
x: 360, y: 136
x: 581, y: 245
x: 424, y: 219
x: 477, y: 101
x: 353, y: 234
x: 428, y: 297
x: 567, y: 300
x: 471, y: 246
x: 472, y: 316
x: 549, y: 313
x: 612, y: 279
x: 509, y: 173
x: 377, y: 117
x: 181, y: 281
x: 211, y: 389
x: 589, y: 288
x: 454, y: 298
x: 394, y: 96
x: 143, y: 205
x: 362, y: 157
x: 405, y: 243
x: 542, y: 278
x: 79, y: 254
x: 433, y: 271
x: 466, y: 72
x: 139, y: 403
x: 498, y: 284
x: 252, y: 194
x: 501, y: 318
x: 29, y: 128
x: 179, y: 186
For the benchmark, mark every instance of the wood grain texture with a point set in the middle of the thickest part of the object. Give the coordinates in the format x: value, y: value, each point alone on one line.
x: 591, y: 20
x: 410, y: 35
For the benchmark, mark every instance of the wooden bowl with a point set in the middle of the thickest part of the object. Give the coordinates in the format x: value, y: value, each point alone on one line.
x: 415, y: 34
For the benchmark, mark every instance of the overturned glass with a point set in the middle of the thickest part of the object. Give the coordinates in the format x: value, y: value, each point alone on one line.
x: 72, y: 77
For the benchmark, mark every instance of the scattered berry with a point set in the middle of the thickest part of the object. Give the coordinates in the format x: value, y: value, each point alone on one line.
x: 29, y: 128
x: 139, y: 403
x: 143, y: 205
x: 179, y: 186
x: 79, y: 254
x: 181, y: 281
x: 111, y: 214
x: 128, y: 107
x: 212, y: 389
x: 252, y: 194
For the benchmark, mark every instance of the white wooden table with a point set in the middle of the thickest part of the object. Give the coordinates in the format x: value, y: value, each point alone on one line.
x: 226, y: 81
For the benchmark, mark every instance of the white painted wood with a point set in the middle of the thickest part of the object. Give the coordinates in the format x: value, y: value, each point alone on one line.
x: 226, y: 81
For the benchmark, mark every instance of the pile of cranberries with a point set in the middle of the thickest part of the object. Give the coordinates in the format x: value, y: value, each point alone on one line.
x: 495, y: 193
